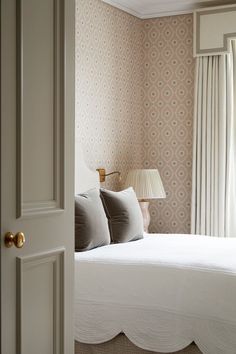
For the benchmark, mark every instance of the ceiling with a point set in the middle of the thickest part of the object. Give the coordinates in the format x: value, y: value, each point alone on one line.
x: 157, y: 8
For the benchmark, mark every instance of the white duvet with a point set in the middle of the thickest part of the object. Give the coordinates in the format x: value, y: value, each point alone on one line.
x: 163, y: 292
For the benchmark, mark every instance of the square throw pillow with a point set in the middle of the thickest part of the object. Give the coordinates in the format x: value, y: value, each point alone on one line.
x: 124, y: 215
x: 91, y: 225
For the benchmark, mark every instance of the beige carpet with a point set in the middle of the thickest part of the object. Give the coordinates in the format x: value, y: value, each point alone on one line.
x: 121, y: 345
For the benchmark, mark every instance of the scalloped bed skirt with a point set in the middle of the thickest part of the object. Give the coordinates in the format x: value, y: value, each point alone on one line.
x: 163, y: 292
x: 122, y: 345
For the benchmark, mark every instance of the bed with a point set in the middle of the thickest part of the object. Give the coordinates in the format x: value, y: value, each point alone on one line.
x: 159, y: 294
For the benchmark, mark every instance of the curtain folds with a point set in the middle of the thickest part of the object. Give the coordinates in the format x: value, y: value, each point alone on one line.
x: 214, y: 146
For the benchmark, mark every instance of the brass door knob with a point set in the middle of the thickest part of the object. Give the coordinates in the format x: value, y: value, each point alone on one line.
x: 18, y: 239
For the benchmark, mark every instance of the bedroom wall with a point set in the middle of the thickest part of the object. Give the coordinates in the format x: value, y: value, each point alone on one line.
x: 134, y: 101
x: 168, y: 91
x: 108, y: 87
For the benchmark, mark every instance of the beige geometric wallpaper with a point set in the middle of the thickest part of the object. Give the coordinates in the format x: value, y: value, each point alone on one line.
x: 168, y: 84
x: 134, y: 101
x: 108, y: 87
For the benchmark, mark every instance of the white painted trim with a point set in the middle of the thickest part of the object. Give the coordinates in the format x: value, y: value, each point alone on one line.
x: 147, y: 16
x: 168, y: 9
x: 166, y: 13
x: 123, y: 8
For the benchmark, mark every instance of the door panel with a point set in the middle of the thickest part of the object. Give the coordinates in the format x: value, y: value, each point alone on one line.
x: 46, y: 303
x: 37, y: 175
x: 40, y: 65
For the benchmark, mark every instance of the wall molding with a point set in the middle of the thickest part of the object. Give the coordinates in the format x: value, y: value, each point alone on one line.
x: 35, y: 207
x: 214, y: 42
x: 162, y: 8
x: 123, y: 8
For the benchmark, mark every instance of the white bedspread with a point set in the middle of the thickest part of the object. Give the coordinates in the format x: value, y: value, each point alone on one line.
x: 163, y: 292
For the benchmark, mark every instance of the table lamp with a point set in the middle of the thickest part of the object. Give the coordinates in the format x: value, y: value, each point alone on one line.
x: 147, y: 185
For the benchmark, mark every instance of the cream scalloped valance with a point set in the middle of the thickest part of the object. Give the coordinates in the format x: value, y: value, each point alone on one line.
x: 213, y: 29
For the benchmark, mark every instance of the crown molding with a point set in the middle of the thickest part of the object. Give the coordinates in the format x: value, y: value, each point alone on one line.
x: 123, y: 8
x: 161, y: 8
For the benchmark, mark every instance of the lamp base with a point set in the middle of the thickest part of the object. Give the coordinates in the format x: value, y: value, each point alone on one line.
x: 145, y: 212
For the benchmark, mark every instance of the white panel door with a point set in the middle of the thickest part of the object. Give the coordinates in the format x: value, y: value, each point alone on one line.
x: 37, y: 176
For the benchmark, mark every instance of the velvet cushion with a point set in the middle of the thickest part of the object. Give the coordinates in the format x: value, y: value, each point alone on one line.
x: 91, y: 225
x: 124, y: 215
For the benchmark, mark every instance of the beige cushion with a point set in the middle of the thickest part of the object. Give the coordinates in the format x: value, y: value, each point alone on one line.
x: 124, y: 215
x: 91, y: 226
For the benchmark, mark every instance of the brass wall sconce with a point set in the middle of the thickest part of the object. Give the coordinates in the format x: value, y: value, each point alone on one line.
x: 103, y: 174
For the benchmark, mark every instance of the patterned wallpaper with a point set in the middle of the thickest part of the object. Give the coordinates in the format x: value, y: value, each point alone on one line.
x: 168, y: 85
x: 108, y: 87
x: 134, y: 101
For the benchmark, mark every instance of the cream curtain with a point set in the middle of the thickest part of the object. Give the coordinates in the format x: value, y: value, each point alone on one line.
x: 214, y: 146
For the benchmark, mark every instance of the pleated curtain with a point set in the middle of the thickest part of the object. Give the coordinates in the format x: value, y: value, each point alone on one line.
x: 214, y: 146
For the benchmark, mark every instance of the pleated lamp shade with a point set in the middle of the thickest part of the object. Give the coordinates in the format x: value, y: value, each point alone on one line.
x: 147, y: 184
